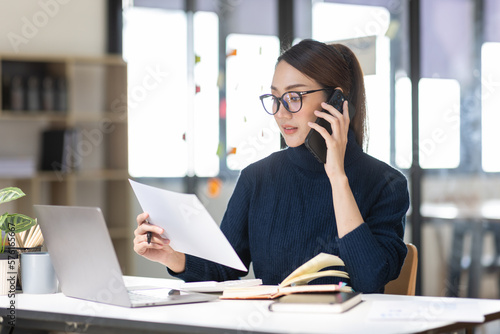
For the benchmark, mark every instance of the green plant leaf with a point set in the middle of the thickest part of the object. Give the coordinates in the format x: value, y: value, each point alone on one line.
x: 10, y: 194
x: 19, y: 221
x: 2, y: 220
x: 4, y: 239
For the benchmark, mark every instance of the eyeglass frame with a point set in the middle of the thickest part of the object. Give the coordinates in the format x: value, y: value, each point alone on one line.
x: 280, y: 99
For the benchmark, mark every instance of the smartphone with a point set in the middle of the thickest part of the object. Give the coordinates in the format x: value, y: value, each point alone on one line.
x: 314, y: 142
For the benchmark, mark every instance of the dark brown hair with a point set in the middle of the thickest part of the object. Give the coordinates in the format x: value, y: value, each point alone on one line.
x: 333, y: 65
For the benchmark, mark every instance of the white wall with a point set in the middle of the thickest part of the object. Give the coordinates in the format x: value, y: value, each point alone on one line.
x: 53, y: 27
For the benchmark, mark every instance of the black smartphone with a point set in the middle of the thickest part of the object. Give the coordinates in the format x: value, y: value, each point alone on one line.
x: 314, y: 142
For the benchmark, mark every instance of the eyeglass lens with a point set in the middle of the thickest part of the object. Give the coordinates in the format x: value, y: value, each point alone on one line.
x: 292, y: 102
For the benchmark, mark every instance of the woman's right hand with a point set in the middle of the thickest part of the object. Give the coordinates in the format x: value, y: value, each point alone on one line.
x: 159, y: 249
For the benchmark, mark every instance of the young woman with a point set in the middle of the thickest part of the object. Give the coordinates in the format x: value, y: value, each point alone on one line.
x: 289, y: 207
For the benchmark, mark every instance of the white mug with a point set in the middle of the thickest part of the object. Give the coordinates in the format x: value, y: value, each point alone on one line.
x: 38, y: 275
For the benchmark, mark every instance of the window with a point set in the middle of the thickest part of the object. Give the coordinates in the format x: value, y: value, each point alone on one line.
x: 403, y: 122
x: 173, y: 94
x: 490, y: 101
x: 205, y: 123
x: 363, y: 29
x: 439, y: 110
x: 252, y: 134
x: 157, y: 91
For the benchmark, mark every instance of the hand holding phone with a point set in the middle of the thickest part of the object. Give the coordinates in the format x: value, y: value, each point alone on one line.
x: 314, y: 142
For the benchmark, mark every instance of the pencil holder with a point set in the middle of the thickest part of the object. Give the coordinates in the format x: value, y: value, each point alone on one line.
x: 39, y: 276
x: 8, y: 272
x: 19, y: 251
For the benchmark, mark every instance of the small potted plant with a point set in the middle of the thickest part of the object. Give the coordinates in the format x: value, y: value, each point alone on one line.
x: 13, y: 223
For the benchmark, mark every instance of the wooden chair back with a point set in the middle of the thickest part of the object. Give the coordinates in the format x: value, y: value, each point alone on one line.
x: 407, y: 280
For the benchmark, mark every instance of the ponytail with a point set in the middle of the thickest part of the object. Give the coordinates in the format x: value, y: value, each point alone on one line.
x: 356, y: 93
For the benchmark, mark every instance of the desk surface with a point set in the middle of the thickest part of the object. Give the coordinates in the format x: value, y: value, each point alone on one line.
x: 58, y: 312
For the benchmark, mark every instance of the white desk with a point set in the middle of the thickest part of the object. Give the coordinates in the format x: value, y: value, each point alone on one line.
x: 57, y: 312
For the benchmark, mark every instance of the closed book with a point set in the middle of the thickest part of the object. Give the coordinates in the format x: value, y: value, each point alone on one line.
x: 337, y: 302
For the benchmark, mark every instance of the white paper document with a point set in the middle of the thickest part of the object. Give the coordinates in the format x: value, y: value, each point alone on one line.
x: 212, y: 286
x: 187, y: 224
x: 437, y: 309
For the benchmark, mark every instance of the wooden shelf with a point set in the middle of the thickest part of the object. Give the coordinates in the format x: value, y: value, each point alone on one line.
x: 90, y: 87
x: 29, y: 116
x: 47, y: 176
x: 109, y: 116
x: 108, y: 175
x: 59, y: 117
x: 106, y: 60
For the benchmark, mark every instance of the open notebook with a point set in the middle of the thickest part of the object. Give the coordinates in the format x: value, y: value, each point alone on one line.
x: 85, y: 261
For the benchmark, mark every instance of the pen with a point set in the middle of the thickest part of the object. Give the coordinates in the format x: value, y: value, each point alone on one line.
x: 148, y: 234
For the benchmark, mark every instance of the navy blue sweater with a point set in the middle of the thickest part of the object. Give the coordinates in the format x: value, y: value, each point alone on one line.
x: 281, y: 214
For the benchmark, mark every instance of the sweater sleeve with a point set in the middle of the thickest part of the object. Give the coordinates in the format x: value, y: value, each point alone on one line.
x: 234, y: 225
x: 375, y: 251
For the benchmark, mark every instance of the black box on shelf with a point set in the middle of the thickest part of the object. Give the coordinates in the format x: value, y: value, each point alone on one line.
x: 57, y: 152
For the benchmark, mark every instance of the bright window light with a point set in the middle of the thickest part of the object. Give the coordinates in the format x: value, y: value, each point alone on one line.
x: 333, y: 21
x: 206, y: 101
x: 173, y: 130
x: 252, y: 134
x: 439, y: 123
x: 157, y: 100
x: 336, y: 22
x: 490, y: 101
x: 403, y: 123
x: 378, y: 103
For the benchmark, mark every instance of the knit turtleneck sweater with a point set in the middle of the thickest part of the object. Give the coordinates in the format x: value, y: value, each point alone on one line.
x: 281, y: 214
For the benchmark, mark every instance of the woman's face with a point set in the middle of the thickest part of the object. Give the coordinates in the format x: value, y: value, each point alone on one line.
x: 293, y: 126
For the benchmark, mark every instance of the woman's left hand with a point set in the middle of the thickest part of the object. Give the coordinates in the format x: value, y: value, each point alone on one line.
x: 336, y: 142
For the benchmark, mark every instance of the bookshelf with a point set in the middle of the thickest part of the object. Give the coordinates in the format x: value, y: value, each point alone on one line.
x: 82, y: 96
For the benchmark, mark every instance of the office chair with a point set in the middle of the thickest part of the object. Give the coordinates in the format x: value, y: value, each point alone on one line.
x: 405, y: 283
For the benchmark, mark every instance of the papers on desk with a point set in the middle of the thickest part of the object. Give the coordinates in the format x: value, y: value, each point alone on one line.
x: 212, y: 286
x: 435, y: 309
x: 187, y: 224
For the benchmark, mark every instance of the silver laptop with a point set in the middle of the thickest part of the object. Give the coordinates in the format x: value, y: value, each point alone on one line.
x: 85, y: 261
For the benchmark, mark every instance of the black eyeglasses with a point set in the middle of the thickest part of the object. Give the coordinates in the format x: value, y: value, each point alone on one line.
x: 292, y: 101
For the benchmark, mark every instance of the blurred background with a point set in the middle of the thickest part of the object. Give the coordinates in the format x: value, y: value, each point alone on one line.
x: 166, y: 92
